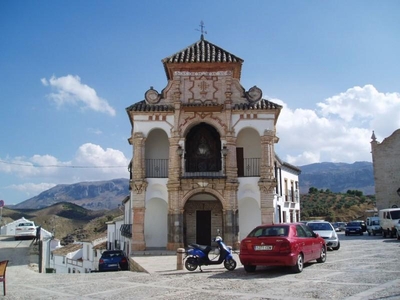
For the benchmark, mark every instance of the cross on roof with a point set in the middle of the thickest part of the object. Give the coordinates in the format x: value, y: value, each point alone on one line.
x: 202, y: 29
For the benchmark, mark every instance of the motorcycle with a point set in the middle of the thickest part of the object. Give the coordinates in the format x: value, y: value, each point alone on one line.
x: 198, y: 255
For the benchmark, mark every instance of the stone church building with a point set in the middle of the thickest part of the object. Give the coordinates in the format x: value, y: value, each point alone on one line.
x: 386, y: 163
x: 203, y: 155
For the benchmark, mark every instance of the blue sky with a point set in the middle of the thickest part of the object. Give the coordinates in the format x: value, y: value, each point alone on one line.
x: 70, y: 68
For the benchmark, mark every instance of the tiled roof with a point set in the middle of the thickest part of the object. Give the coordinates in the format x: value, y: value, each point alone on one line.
x: 67, y: 249
x: 202, y: 51
x: 262, y: 104
x: 144, y: 107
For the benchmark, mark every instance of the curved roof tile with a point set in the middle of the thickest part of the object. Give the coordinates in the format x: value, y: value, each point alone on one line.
x: 202, y: 51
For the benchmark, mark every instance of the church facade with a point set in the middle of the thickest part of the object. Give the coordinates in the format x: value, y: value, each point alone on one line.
x: 203, y: 156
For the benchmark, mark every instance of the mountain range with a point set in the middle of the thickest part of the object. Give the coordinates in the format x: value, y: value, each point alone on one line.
x: 108, y: 195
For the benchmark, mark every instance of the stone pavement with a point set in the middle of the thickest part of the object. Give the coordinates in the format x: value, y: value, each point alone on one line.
x: 365, y: 268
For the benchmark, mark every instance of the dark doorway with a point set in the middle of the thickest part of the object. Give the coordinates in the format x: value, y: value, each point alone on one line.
x: 240, y: 161
x: 203, y: 227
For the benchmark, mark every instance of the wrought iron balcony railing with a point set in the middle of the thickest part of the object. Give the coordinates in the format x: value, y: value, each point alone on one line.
x: 251, y: 167
x: 126, y: 230
x: 156, y: 168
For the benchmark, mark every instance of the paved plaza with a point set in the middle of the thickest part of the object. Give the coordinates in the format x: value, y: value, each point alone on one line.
x: 365, y: 267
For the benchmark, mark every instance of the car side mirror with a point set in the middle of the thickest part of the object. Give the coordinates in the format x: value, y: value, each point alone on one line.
x: 316, y: 235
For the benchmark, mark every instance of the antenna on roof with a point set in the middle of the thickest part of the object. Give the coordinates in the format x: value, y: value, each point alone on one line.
x: 202, y: 29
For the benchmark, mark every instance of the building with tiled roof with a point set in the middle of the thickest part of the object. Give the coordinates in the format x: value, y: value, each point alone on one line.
x: 203, y: 155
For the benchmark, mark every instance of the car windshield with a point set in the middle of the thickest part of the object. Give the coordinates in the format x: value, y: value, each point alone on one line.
x: 25, y: 224
x: 270, y: 231
x: 353, y: 224
x: 112, y: 254
x: 395, y: 214
x: 319, y: 226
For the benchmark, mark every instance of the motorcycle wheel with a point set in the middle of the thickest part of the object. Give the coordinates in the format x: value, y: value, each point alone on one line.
x: 190, y: 264
x: 230, y: 264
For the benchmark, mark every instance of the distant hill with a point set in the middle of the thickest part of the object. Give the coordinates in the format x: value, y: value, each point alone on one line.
x: 67, y: 221
x: 108, y: 195
x: 96, y: 195
x: 338, y: 177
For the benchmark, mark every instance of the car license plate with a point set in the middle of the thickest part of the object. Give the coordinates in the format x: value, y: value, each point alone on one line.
x: 261, y: 248
x: 113, y: 265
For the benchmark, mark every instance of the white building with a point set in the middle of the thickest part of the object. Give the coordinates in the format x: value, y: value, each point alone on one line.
x: 203, y: 155
x: 79, y: 257
x: 119, y: 230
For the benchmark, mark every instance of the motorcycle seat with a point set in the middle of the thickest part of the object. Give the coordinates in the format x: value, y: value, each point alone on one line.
x: 203, y: 248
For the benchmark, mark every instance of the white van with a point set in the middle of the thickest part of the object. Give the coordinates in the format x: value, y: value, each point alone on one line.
x: 373, y: 225
x: 389, y: 218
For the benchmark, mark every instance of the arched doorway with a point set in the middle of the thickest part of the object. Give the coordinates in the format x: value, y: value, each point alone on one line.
x: 202, y: 219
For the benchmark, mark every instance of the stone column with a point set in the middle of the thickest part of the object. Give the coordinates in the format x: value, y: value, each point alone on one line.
x: 138, y: 193
x: 175, y: 211
x: 267, y: 181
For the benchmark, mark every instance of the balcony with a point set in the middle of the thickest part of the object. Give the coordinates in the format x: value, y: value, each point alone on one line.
x: 156, y: 168
x: 251, y: 167
x: 126, y: 230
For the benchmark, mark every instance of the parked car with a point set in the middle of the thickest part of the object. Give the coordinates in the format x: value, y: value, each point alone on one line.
x: 327, y: 232
x: 342, y: 226
x: 113, y: 260
x: 25, y: 230
x: 286, y: 244
x: 373, y: 225
x: 363, y: 225
x: 336, y: 226
x: 353, y: 228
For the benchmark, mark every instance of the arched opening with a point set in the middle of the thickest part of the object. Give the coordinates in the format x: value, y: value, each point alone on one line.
x: 248, y: 153
x: 157, y: 154
x: 156, y: 223
x: 202, y: 218
x: 203, y: 149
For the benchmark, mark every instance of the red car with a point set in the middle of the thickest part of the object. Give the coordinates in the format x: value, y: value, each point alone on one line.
x: 286, y: 244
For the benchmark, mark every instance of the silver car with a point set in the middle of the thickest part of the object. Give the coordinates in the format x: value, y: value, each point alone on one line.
x: 327, y: 232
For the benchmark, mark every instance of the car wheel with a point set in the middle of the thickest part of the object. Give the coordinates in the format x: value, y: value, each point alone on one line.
x: 249, y: 268
x: 298, y: 267
x: 322, y: 255
x: 337, y: 247
x: 398, y: 235
x: 384, y: 233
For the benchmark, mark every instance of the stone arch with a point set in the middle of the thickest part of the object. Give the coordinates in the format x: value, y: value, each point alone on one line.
x: 202, y: 190
x: 216, y: 123
x: 203, y: 216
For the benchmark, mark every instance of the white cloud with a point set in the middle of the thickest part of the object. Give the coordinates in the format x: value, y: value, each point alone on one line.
x: 31, y: 189
x: 90, y: 163
x: 70, y: 90
x: 340, y: 131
